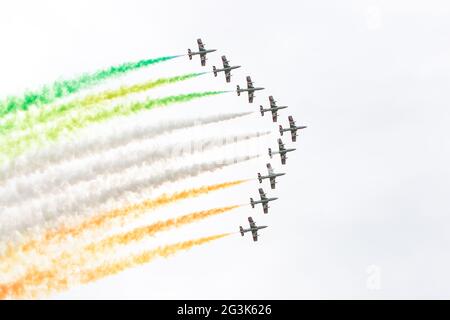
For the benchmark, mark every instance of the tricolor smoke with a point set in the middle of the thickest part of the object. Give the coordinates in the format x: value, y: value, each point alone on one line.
x: 87, y: 196
x: 43, y: 116
x: 114, y: 161
x: 13, y: 147
x: 60, y: 89
x: 81, y: 256
x: 126, y: 133
x: 76, y: 174
x: 98, y: 222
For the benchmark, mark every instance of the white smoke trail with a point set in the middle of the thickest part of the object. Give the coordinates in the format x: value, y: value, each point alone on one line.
x: 53, y: 179
x: 87, y: 196
x: 129, y: 130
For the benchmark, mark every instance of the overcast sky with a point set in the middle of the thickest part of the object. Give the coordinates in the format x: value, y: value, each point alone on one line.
x: 363, y: 209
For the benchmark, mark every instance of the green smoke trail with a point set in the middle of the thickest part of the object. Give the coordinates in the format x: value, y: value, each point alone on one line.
x: 63, y: 88
x: 10, y: 148
x: 18, y: 122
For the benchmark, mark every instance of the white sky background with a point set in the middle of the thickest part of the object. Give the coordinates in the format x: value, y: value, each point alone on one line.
x: 369, y: 183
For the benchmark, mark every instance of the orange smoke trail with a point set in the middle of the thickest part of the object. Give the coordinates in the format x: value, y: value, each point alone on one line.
x: 58, y: 282
x: 68, y: 261
x: 102, y: 219
x: 141, y: 232
x: 145, y: 257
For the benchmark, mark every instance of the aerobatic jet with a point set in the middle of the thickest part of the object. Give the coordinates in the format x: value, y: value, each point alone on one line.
x: 253, y: 229
x: 264, y: 201
x: 201, y: 51
x: 273, y: 108
x: 250, y: 89
x: 271, y: 176
x: 226, y: 69
x: 281, y: 151
x: 292, y: 128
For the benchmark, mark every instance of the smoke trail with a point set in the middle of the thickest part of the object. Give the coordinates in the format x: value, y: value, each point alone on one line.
x: 64, y: 259
x: 20, y: 218
x: 86, y: 197
x: 14, y: 147
x: 122, y: 134
x: 144, y: 257
x: 40, y: 283
x: 63, y: 88
x: 55, y: 178
x: 106, y: 218
x: 140, y: 233
x: 30, y: 120
x: 46, y: 244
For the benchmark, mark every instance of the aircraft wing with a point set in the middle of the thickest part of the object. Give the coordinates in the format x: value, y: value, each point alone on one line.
x: 283, y: 158
x: 281, y: 145
x: 272, y: 182
x: 225, y: 62
x: 294, y: 135
x: 291, y: 122
x: 274, y: 115
x: 262, y: 194
x: 250, y: 96
x: 249, y: 83
x: 227, y: 75
x: 251, y: 222
x: 265, y: 207
x: 201, y: 47
x: 272, y: 101
x: 203, y: 59
x: 255, y: 235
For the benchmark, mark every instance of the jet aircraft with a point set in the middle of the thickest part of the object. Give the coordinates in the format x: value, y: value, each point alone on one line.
x: 226, y: 69
x: 250, y: 89
x: 281, y: 151
x: 264, y: 201
x: 253, y: 229
x: 273, y: 108
x: 201, y: 51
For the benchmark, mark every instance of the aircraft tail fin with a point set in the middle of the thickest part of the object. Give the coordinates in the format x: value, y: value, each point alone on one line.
x: 252, y: 202
x: 259, y: 177
x: 215, y: 71
x: 281, y: 130
x: 190, y: 54
x: 238, y: 90
x: 241, y: 230
x: 261, y: 110
x: 270, y: 153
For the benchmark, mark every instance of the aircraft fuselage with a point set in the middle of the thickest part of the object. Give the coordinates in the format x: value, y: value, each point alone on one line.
x: 251, y: 89
x: 277, y: 107
x: 274, y: 109
x: 201, y: 52
x: 273, y: 175
x: 284, y: 151
x: 265, y: 200
x: 294, y: 128
x: 227, y: 69
x: 253, y: 229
